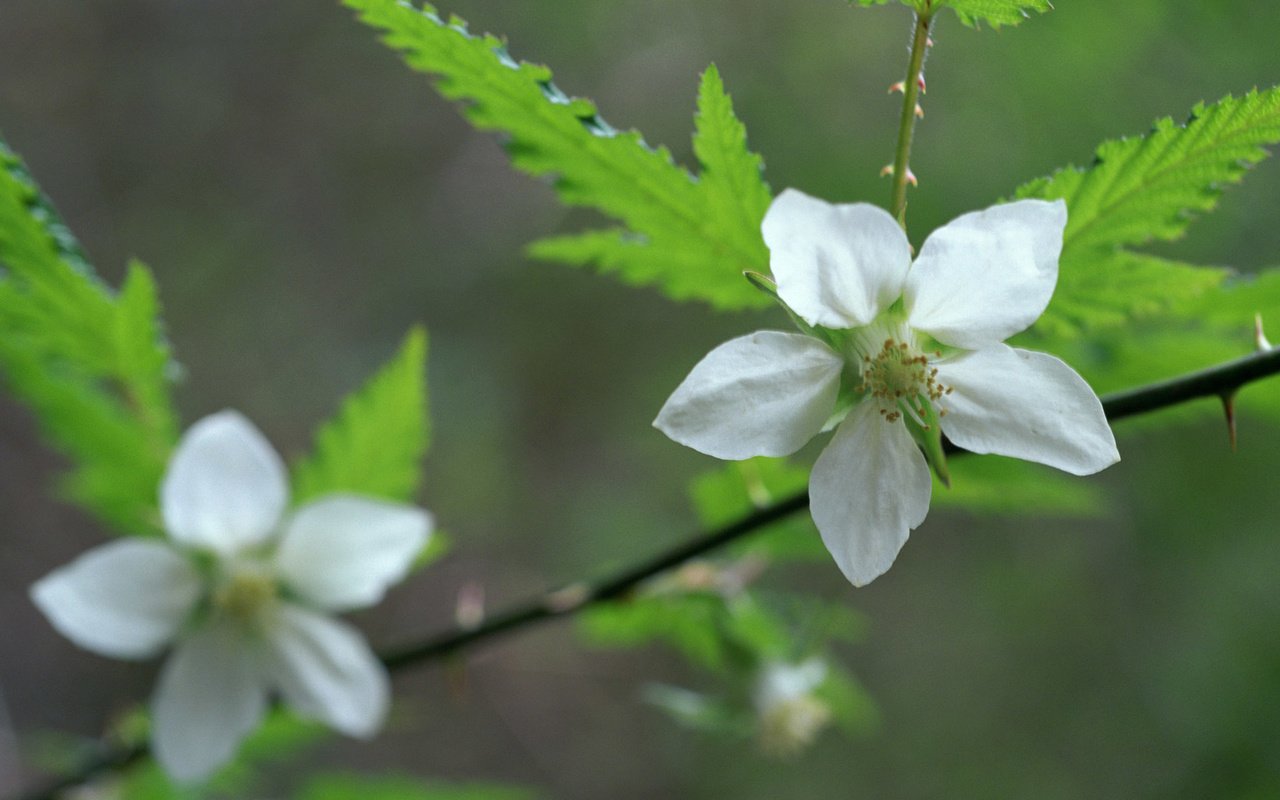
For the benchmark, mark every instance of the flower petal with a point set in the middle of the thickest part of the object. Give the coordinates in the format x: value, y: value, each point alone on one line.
x: 837, y: 266
x: 765, y: 394
x: 987, y: 275
x: 868, y: 489
x: 325, y: 671
x: 225, y: 487
x: 342, y: 552
x: 126, y: 599
x: 211, y: 694
x: 1026, y: 405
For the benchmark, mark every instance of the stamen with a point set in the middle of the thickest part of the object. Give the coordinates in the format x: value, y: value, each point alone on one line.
x: 245, y: 593
x: 902, y: 381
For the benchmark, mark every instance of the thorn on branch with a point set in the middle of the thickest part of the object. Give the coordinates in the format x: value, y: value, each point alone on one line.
x: 1229, y: 407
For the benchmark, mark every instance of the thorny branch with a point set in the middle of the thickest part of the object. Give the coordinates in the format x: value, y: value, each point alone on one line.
x: 1221, y: 381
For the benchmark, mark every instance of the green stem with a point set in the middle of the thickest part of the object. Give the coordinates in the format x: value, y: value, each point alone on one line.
x: 907, y: 124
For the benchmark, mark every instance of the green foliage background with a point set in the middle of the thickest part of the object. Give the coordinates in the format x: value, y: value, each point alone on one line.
x: 302, y: 199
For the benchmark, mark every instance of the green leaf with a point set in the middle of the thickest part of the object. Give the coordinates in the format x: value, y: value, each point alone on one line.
x: 731, y: 179
x: 998, y: 485
x: 851, y: 705
x: 1214, y: 328
x: 1107, y: 288
x: 374, y: 446
x: 92, y: 365
x: 738, y: 488
x: 972, y: 12
x: 116, y: 472
x: 346, y: 787
x: 994, y: 12
x: 700, y: 712
x: 690, y: 622
x: 691, y: 238
x: 1147, y: 188
x: 1151, y: 187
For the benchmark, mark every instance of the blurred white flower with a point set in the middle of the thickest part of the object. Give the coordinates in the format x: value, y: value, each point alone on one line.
x: 243, y: 589
x: 790, y: 714
x: 896, y: 353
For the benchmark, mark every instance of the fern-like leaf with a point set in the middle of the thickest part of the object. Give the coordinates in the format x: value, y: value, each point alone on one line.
x: 92, y: 364
x: 994, y: 12
x: 1143, y: 189
x: 665, y: 210
x: 1151, y: 187
x: 973, y: 12
x: 374, y: 446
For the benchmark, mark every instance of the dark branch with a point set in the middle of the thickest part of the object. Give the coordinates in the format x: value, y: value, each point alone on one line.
x: 1220, y: 381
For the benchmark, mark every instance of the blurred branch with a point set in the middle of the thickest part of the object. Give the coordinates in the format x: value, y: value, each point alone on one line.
x: 1221, y: 381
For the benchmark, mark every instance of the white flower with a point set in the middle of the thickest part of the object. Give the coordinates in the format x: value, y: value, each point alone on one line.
x: 243, y: 590
x: 894, y: 352
x: 790, y: 715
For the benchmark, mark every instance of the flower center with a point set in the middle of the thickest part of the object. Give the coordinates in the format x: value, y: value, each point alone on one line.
x: 245, y: 593
x: 901, y: 381
x: 788, y: 726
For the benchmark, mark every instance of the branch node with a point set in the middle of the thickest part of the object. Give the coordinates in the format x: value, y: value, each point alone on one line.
x: 468, y: 613
x: 570, y: 598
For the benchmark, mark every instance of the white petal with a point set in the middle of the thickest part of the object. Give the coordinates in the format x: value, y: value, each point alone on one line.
x: 1026, y: 405
x: 868, y: 489
x: 987, y: 275
x: 765, y: 394
x: 837, y: 266
x: 342, y: 552
x: 325, y: 671
x: 225, y: 487
x: 126, y: 599
x: 211, y: 694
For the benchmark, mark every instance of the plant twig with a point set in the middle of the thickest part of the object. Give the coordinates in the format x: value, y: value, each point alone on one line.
x: 911, y: 88
x: 1215, y: 382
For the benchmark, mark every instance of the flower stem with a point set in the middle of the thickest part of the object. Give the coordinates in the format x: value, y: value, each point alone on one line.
x: 907, y: 124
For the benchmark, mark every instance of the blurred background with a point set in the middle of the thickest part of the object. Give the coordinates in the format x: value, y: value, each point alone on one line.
x: 303, y: 198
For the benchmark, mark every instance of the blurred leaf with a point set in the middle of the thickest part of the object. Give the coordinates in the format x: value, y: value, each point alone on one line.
x: 92, y: 365
x: 1104, y: 288
x: 756, y: 630
x: 971, y: 12
x: 1146, y: 188
x: 698, y: 711
x: 851, y: 706
x: 374, y: 446
x: 994, y: 12
x: 1214, y: 328
x: 740, y: 487
x: 691, y: 238
x: 998, y: 485
x: 280, y: 737
x: 689, y: 622
x: 350, y: 787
